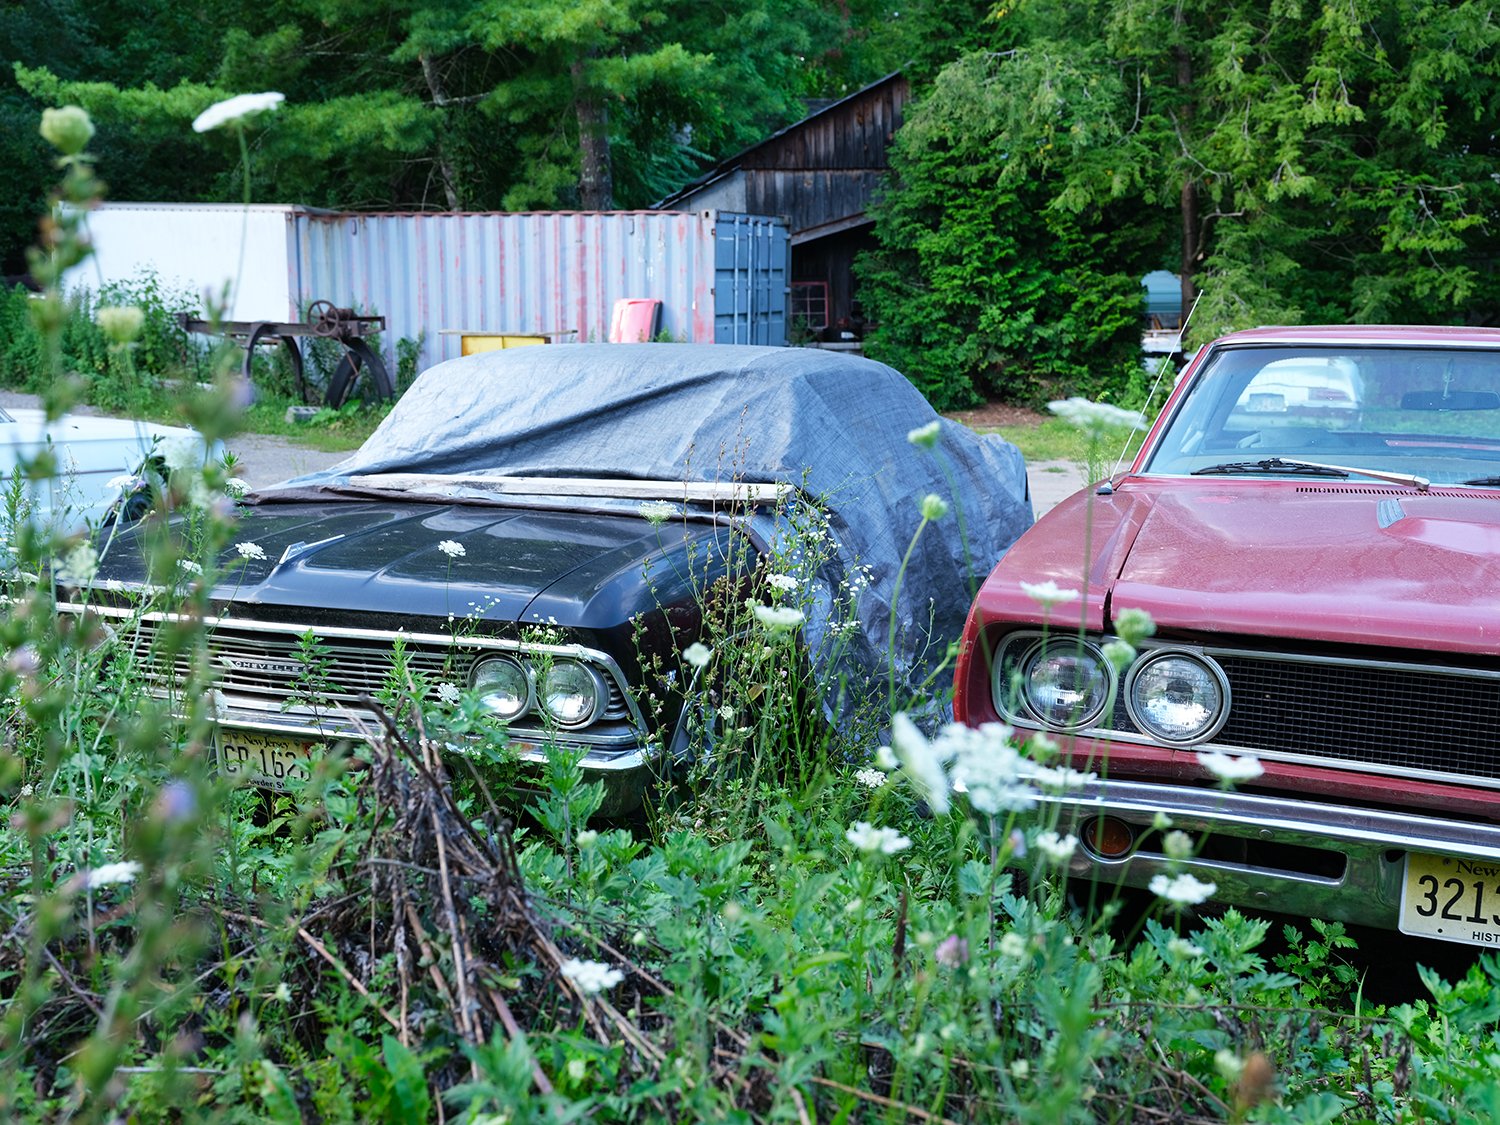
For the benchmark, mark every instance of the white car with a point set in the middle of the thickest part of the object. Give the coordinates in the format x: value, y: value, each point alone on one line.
x: 92, y: 455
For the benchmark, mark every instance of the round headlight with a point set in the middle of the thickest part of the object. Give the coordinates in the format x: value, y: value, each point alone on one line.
x: 572, y: 693
x: 1177, y: 697
x: 503, y: 687
x: 1067, y: 683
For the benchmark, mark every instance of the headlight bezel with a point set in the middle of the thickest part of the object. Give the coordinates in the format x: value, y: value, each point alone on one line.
x: 528, y: 678
x: 1074, y: 645
x: 595, y: 679
x: 1154, y: 657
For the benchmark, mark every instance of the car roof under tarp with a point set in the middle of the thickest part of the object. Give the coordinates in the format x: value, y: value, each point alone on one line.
x: 834, y: 426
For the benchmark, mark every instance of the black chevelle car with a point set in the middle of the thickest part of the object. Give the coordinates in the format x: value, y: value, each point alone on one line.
x: 539, y: 526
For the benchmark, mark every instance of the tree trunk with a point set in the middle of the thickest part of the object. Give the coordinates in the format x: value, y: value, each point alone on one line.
x: 440, y: 99
x: 596, y: 189
x: 1189, y: 203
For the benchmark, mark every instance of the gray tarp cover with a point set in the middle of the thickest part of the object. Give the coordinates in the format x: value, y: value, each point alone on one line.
x: 833, y: 425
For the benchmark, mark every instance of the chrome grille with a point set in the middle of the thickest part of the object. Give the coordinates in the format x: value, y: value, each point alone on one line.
x: 261, y: 664
x: 1400, y: 719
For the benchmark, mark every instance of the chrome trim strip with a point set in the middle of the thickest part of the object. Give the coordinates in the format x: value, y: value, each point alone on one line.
x: 1373, y: 843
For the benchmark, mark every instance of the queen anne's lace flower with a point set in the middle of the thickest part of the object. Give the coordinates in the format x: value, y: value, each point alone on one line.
x: 656, y: 512
x: 1182, y: 890
x: 870, y: 779
x: 79, y: 566
x: 871, y: 840
x: 1048, y: 594
x: 782, y: 582
x: 449, y: 694
x: 934, y: 507
x: 925, y: 437
x: 1226, y: 767
x: 1096, y: 418
x: 1057, y: 849
x: 591, y: 977
x: 452, y: 548
x: 250, y: 550
x: 778, y: 619
x: 235, y: 109
x: 109, y: 873
x: 697, y: 654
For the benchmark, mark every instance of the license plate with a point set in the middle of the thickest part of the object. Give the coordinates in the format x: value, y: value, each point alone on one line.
x: 1451, y: 899
x: 263, y: 759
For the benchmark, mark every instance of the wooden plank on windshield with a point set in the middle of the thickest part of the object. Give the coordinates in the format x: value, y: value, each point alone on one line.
x: 744, y: 492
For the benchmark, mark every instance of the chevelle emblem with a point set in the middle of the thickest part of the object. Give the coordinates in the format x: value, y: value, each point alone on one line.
x: 260, y: 665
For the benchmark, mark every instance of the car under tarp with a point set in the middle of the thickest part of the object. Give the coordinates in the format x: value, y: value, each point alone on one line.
x: 834, y: 427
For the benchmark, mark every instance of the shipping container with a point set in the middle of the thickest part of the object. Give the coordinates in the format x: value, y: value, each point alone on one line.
x: 438, y: 276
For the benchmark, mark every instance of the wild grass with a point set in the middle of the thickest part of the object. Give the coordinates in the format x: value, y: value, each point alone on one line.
x: 798, y: 934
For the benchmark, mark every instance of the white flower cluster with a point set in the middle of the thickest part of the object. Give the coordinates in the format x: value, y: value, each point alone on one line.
x: 657, y: 512
x: 1097, y: 419
x: 250, y: 550
x: 449, y: 694
x: 980, y: 761
x: 784, y: 582
x: 778, y: 619
x: 591, y: 977
x: 870, y: 779
x: 871, y: 840
x: 79, y: 566
x: 452, y: 548
x: 1182, y: 889
x: 110, y: 873
x: 1228, y: 768
x: 235, y: 109
x: 1048, y: 594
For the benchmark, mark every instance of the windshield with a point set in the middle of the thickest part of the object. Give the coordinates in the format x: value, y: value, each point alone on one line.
x: 1429, y: 412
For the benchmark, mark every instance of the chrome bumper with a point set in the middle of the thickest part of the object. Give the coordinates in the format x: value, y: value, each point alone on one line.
x: 626, y: 771
x: 1373, y: 844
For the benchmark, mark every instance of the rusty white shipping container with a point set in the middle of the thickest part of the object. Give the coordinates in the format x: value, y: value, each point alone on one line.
x: 720, y: 276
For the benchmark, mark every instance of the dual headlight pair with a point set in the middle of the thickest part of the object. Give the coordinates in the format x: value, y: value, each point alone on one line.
x: 1068, y: 684
x: 570, y: 692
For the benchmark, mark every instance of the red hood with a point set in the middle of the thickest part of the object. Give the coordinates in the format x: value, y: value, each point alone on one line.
x: 1350, y: 563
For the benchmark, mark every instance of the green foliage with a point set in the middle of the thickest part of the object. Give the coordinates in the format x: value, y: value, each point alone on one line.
x: 982, y: 291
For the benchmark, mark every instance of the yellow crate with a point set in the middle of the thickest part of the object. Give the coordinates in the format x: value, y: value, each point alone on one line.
x: 470, y: 343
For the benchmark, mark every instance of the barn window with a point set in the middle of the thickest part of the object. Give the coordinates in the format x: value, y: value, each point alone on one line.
x: 810, y: 303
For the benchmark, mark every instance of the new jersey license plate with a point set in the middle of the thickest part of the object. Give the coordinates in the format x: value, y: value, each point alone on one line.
x: 1451, y: 899
x: 263, y: 759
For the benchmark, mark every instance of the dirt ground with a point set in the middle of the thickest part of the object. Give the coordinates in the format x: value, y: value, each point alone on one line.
x: 996, y: 414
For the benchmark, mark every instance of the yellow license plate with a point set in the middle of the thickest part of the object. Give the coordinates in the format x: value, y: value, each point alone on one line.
x: 1451, y: 899
x: 263, y: 759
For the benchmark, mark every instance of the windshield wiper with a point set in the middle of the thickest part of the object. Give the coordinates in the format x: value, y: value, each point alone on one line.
x: 1312, y: 468
x: 1490, y: 482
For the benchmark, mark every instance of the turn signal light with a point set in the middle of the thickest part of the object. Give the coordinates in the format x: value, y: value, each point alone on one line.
x: 1111, y: 838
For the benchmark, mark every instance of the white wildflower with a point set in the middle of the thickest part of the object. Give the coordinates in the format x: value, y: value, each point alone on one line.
x: 870, y: 840
x: 121, y: 323
x: 1019, y: 1068
x: 27, y: 790
x: 657, y: 512
x: 1048, y: 594
x: 452, y: 548
x: 986, y: 764
x: 591, y: 977
x: 1226, y: 767
x: 1182, y: 890
x: 1119, y: 654
x: 449, y: 694
x: 925, y: 437
x: 1161, y: 821
x: 1061, y: 777
x: 1055, y: 848
x: 886, y: 759
x: 1133, y: 625
x: 1181, y: 947
x: 182, y: 454
x: 235, y: 109
x: 697, y: 654
x: 111, y: 873
x: 1177, y: 845
x: 188, y: 566
x: 726, y: 712
x: 1012, y: 945
x: 1228, y: 1064
x: 250, y: 550
x: 79, y: 566
x: 587, y: 838
x: 235, y: 487
x: 870, y: 779
x: 1096, y: 418
x: 921, y: 762
x: 124, y: 482
x: 778, y: 619
x: 782, y: 582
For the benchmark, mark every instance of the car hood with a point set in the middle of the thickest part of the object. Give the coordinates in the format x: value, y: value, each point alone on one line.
x: 1346, y: 563
x: 549, y: 567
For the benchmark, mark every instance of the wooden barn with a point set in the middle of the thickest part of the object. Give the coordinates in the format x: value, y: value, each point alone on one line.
x: 819, y: 174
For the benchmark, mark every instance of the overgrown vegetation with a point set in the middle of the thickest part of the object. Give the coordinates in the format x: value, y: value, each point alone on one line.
x: 402, y: 937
